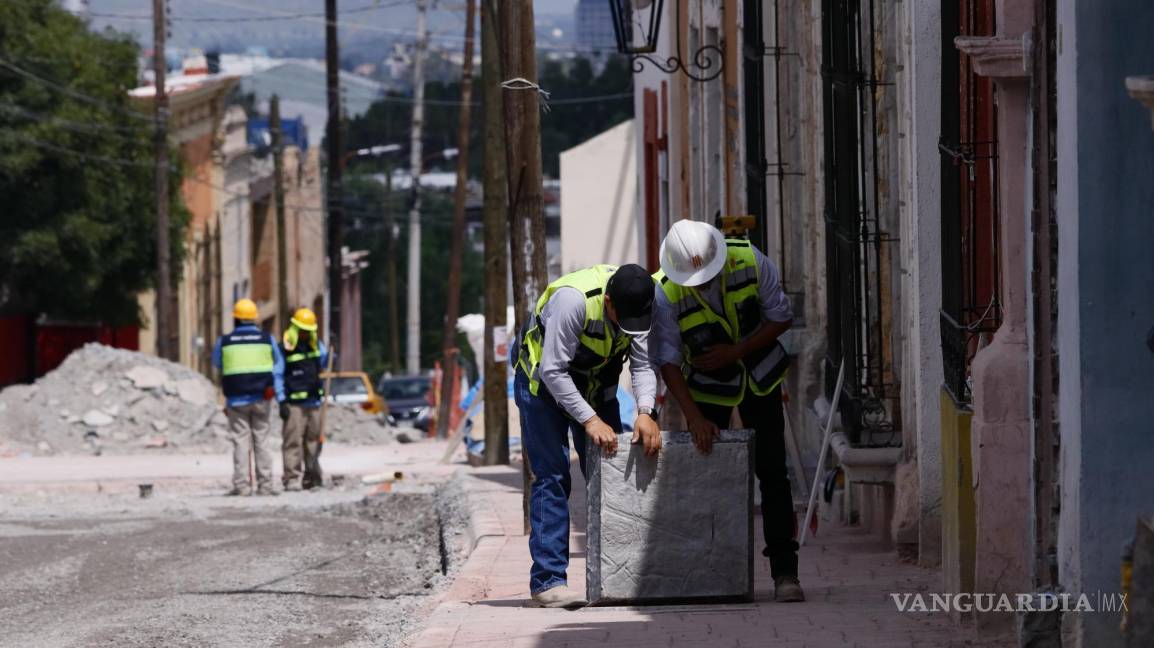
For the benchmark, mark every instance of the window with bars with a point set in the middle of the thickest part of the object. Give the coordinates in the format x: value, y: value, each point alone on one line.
x: 971, y: 307
x: 860, y: 247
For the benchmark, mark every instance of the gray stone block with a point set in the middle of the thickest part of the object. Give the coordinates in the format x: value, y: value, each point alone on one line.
x: 672, y: 527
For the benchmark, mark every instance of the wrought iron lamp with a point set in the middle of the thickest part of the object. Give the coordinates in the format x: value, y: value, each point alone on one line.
x: 637, y: 24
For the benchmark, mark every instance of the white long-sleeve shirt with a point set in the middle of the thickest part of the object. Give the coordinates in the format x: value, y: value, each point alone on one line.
x: 666, y: 334
x: 564, y: 318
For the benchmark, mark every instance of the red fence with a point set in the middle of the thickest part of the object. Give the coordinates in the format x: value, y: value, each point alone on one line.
x: 34, y: 348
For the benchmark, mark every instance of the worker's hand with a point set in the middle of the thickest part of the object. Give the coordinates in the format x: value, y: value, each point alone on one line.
x: 646, y: 432
x: 703, y: 432
x: 602, y: 435
x: 284, y: 411
x: 717, y: 357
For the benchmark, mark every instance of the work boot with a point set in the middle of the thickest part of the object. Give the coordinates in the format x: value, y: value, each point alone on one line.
x: 787, y: 589
x: 239, y: 491
x: 561, y: 596
x: 267, y: 491
x: 292, y: 487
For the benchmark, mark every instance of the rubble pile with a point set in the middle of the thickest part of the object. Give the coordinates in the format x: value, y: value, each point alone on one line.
x: 102, y: 399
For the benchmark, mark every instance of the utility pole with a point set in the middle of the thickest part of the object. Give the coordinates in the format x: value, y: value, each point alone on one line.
x: 496, y: 242
x: 274, y: 128
x: 413, y: 317
x: 523, y: 155
x: 456, y: 249
x: 336, y: 161
x: 164, y: 332
x: 731, y: 81
x: 391, y: 253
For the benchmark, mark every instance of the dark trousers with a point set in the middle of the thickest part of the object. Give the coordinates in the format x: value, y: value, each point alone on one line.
x: 764, y: 414
x: 545, y: 430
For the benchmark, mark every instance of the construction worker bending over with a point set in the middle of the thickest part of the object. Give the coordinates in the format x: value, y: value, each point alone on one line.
x: 253, y: 369
x: 569, y: 361
x: 304, y: 356
x: 718, y: 312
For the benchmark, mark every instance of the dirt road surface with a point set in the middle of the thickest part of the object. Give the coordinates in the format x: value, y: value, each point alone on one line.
x: 303, y: 569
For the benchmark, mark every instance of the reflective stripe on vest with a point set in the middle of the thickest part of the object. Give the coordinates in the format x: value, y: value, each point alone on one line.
x: 596, y: 366
x: 701, y: 327
x: 246, y: 361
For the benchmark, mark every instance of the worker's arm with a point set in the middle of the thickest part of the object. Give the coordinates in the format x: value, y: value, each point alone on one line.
x: 277, y: 370
x: 776, y: 313
x: 665, y: 349
x: 324, y: 354
x: 563, y: 318
x: 645, y: 430
x: 216, y: 354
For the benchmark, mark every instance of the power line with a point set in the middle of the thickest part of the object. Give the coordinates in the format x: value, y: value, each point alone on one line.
x: 68, y: 124
x: 72, y: 92
x: 212, y: 19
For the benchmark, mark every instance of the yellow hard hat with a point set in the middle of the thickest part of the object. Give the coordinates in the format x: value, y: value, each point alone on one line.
x: 305, y: 319
x: 245, y: 309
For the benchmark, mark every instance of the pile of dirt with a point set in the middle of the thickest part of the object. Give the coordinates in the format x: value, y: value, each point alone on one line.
x: 102, y: 399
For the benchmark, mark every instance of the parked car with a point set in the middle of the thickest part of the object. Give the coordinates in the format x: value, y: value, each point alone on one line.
x: 355, y: 388
x: 408, y: 399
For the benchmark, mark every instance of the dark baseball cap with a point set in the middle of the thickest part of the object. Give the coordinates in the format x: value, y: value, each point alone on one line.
x: 631, y: 291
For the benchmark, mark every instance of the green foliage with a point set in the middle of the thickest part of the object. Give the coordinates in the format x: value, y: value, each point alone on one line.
x: 361, y: 194
x: 77, y: 227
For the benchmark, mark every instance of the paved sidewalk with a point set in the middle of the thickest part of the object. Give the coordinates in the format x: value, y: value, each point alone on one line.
x: 846, y: 573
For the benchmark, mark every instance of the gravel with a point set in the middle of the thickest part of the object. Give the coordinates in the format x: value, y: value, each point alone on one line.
x: 106, y: 400
x: 320, y: 569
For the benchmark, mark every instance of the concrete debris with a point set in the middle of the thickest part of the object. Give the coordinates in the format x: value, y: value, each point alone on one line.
x: 140, y: 403
x: 96, y: 418
x: 145, y: 377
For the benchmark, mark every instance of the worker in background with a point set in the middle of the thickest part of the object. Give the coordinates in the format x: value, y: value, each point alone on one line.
x: 252, y: 368
x: 305, y: 356
x: 568, y: 364
x: 718, y: 312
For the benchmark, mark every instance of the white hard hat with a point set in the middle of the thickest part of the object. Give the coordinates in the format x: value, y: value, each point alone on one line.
x: 692, y: 253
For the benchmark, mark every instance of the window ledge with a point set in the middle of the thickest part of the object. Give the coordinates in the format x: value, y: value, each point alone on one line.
x: 1142, y: 89
x: 996, y: 57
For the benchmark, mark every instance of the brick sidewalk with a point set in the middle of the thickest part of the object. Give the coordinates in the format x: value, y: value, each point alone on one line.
x: 846, y: 573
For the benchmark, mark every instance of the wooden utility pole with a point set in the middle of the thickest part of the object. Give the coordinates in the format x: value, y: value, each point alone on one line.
x: 456, y: 249
x: 164, y: 331
x: 523, y: 154
x: 496, y: 242
x: 523, y: 159
x: 730, y: 81
x: 274, y: 128
x: 413, y: 316
x: 391, y: 278
x: 336, y: 162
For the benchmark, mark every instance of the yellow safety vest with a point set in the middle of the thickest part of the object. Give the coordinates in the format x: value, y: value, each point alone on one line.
x: 702, y: 327
x: 597, y: 364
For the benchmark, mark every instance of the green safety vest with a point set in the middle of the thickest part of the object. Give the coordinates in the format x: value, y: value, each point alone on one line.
x: 702, y: 327
x: 246, y: 362
x: 600, y: 357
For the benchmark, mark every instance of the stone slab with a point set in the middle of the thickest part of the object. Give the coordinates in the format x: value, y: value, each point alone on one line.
x: 678, y: 526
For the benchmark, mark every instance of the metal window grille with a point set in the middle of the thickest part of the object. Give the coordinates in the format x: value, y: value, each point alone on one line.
x: 858, y: 248
x: 971, y: 304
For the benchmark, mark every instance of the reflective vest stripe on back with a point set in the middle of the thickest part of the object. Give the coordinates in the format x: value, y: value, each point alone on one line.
x: 247, y: 363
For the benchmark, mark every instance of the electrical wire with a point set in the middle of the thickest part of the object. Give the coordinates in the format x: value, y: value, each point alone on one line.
x: 71, y: 92
x: 68, y: 124
x: 214, y: 19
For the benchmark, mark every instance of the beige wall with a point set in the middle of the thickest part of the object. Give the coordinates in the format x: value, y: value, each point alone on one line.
x: 599, y: 200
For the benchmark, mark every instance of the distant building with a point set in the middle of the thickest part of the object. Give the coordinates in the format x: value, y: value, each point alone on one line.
x: 595, y: 26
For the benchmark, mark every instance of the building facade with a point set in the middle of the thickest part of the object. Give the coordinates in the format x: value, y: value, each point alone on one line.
x: 952, y: 192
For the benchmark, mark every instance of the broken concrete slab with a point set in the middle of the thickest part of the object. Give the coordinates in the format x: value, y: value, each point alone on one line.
x: 673, y: 527
x: 145, y: 377
x: 96, y: 418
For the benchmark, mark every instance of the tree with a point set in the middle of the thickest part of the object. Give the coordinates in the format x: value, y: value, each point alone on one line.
x: 77, y: 231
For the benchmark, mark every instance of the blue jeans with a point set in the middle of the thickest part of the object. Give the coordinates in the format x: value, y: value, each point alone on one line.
x: 545, y: 436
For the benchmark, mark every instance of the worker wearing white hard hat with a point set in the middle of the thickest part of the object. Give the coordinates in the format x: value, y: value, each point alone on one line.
x: 718, y: 312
